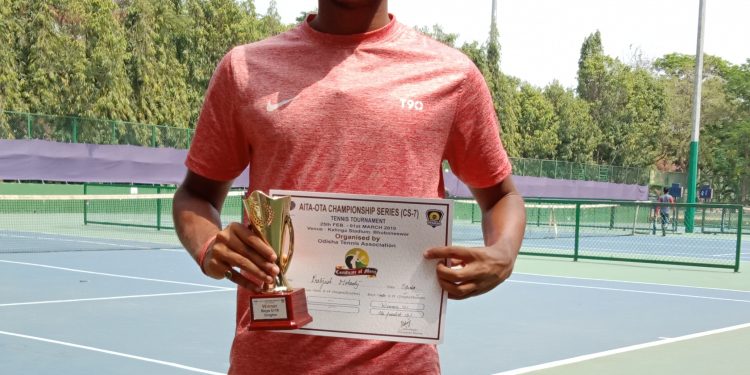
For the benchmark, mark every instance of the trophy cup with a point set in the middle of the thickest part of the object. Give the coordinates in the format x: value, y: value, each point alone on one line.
x: 277, y: 306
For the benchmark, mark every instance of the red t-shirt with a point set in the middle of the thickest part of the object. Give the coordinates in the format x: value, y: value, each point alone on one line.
x: 372, y: 113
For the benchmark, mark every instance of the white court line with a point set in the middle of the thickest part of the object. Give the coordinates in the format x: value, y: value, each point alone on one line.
x: 631, y: 282
x: 112, y: 298
x: 630, y: 291
x: 59, y: 239
x: 625, y: 349
x: 130, y: 356
x: 114, y: 275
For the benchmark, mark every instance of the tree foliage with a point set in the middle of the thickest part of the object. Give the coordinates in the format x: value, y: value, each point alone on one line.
x: 124, y: 60
x: 151, y: 61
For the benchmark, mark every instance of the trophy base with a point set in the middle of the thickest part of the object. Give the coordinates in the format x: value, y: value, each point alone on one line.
x: 279, y: 310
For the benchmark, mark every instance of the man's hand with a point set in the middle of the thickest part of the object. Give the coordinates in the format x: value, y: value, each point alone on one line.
x: 235, y: 248
x: 473, y: 271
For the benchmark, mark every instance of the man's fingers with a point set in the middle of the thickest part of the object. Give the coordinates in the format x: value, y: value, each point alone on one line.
x: 235, y: 244
x: 251, y: 239
x: 461, y: 253
x: 240, y: 279
x: 454, y: 275
x: 237, y: 260
x: 458, y: 291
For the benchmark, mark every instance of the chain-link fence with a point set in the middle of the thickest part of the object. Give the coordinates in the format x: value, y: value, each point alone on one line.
x: 16, y: 125
x: 627, y: 231
x: 578, y: 171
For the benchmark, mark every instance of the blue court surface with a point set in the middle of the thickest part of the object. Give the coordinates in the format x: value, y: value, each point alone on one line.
x: 152, y: 312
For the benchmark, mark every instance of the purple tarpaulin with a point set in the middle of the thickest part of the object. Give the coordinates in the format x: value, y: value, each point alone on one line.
x: 541, y: 187
x: 35, y: 160
x: 75, y: 162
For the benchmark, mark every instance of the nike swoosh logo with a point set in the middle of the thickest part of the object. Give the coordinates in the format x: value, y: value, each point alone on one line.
x: 270, y: 107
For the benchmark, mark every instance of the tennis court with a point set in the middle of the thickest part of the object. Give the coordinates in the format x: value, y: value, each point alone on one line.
x: 138, y: 305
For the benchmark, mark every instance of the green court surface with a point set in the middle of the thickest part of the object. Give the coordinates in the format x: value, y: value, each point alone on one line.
x: 713, y: 351
x: 718, y: 353
x: 89, y: 308
x: 645, y: 273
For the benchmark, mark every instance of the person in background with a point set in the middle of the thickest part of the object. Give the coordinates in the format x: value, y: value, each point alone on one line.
x: 662, y: 211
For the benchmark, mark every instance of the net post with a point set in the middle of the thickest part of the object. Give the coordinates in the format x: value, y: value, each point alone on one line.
x: 539, y: 216
x: 739, y: 240
x: 578, y: 232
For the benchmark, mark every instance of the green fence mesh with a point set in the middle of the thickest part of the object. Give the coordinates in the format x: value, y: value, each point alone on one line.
x: 578, y: 171
x: 52, y: 223
x: 622, y: 231
x: 15, y: 125
x: 68, y: 129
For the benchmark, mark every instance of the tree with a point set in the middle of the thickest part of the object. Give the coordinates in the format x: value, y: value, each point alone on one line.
x: 676, y: 73
x: 108, y: 90
x: 538, y: 125
x: 577, y: 132
x: 212, y: 28
x: 10, y: 78
x: 53, y: 56
x: 591, y: 68
x: 627, y: 104
x: 436, y: 32
x: 270, y: 23
x: 158, y: 79
x: 731, y: 151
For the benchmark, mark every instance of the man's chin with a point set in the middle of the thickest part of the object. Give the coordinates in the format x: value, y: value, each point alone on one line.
x: 356, y: 4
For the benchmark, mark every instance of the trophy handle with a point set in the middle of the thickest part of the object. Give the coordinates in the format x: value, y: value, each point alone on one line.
x: 290, y: 229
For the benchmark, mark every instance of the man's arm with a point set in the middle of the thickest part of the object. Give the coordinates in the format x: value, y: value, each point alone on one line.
x: 482, y: 269
x: 196, y: 211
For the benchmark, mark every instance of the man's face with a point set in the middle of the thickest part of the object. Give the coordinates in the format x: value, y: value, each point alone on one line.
x: 355, y: 4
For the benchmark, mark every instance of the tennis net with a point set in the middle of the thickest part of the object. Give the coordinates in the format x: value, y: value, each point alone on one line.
x: 561, y: 220
x: 621, y: 230
x: 50, y: 223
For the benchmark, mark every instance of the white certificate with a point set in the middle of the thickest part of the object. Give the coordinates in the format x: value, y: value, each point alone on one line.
x: 360, y: 260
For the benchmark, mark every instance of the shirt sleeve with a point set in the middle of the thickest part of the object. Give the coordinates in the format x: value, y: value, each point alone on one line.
x: 219, y: 149
x: 474, y: 150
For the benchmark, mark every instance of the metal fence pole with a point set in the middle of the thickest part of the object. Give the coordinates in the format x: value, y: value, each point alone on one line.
x: 85, y: 205
x: 158, y: 209
x: 739, y: 239
x: 578, y: 232
x: 28, y: 126
x: 75, y: 129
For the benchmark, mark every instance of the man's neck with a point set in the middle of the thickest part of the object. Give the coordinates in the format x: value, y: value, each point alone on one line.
x: 334, y: 18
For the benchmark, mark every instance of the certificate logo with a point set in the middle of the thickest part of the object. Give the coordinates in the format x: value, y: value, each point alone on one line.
x: 356, y: 261
x: 435, y: 218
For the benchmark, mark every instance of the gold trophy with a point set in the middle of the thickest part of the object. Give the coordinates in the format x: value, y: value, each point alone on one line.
x: 277, y: 306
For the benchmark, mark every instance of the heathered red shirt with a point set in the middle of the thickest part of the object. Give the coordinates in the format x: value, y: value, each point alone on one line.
x: 372, y: 113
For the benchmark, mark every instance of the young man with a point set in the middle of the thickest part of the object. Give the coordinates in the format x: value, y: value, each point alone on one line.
x: 351, y: 101
x: 663, y: 210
